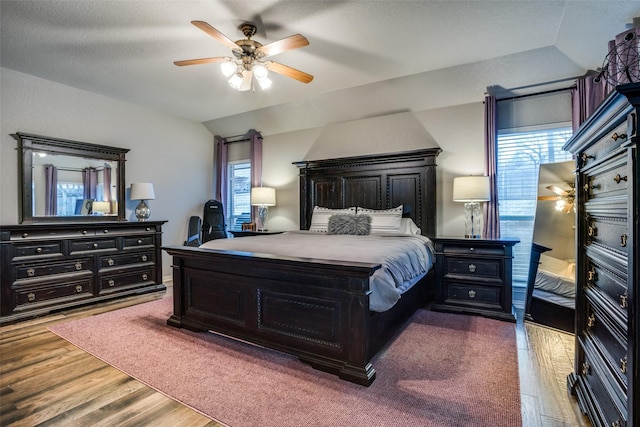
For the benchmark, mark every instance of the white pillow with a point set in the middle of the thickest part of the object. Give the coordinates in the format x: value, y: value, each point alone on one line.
x: 384, y: 220
x: 320, y: 217
x: 407, y: 226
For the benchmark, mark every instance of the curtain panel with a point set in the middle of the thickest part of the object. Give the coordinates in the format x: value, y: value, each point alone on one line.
x: 491, y: 228
x: 51, y: 190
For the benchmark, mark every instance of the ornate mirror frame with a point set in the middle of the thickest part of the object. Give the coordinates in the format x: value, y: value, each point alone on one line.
x: 28, y: 144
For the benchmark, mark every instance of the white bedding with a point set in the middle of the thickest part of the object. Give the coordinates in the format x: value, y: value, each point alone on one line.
x: 404, y: 258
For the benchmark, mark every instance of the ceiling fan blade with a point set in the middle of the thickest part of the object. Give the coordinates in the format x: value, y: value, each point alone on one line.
x: 288, y: 43
x: 548, y: 197
x: 285, y: 70
x: 215, y: 34
x: 200, y: 61
x: 559, y: 191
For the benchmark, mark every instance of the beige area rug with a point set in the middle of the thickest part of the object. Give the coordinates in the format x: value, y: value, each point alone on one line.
x: 441, y: 370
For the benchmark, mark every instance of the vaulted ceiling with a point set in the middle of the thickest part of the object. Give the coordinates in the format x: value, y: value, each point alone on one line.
x: 368, y: 57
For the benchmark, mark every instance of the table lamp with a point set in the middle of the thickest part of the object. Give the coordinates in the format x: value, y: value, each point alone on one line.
x: 471, y: 190
x: 263, y: 197
x: 142, y: 191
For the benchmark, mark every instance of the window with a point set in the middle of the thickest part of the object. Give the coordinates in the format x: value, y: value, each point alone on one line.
x: 238, y: 206
x: 520, y: 152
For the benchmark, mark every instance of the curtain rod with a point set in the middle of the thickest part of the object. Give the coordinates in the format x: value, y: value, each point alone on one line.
x: 536, y: 94
x: 245, y: 137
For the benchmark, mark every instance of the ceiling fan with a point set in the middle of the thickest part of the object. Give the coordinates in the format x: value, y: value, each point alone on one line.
x: 249, y: 57
x: 564, y: 198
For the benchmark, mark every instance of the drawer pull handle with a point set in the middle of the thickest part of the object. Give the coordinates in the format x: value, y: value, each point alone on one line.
x: 111, y: 282
x: 472, y: 294
x: 623, y: 365
x: 616, y: 423
x: 144, y: 258
x: 586, y: 369
x: 585, y: 157
x: 110, y: 262
x: 615, y: 136
x: 78, y: 266
x: 84, y: 232
x: 144, y: 276
x: 472, y: 268
x: 623, y: 240
x: 619, y: 178
x: 25, y: 235
x: 31, y: 272
x: 624, y: 300
x: 139, y: 241
x: 39, y: 250
x: 591, y: 321
x: 78, y: 288
x: 148, y: 228
x: 592, y: 231
x: 592, y: 275
x: 105, y: 231
x: 95, y: 245
x: 31, y: 296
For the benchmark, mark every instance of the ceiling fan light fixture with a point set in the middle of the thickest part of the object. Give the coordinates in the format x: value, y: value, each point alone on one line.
x: 264, y: 82
x: 260, y: 71
x: 236, y: 80
x: 228, y: 67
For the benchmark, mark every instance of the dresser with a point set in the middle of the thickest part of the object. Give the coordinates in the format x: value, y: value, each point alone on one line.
x: 605, y: 378
x: 474, y: 276
x: 48, y: 267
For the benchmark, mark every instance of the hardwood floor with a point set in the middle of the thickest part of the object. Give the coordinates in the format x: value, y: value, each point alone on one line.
x: 46, y: 381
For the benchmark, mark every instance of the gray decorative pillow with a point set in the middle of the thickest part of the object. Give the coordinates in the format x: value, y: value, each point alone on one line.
x: 359, y: 225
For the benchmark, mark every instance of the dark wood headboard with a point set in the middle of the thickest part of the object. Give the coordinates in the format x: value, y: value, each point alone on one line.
x: 380, y: 181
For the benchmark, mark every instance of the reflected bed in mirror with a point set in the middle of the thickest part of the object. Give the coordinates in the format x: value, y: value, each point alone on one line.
x: 65, y: 180
x: 551, y: 283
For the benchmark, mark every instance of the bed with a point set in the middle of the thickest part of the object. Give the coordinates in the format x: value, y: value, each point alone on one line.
x: 551, y: 293
x: 318, y: 309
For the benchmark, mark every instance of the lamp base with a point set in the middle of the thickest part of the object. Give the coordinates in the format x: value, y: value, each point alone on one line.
x: 472, y: 220
x: 142, y: 211
x: 263, y: 216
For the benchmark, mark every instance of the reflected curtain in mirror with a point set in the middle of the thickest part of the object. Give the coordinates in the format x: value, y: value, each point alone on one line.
x: 90, y: 182
x: 51, y: 190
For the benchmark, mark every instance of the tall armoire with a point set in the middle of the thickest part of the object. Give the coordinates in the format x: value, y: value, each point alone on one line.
x: 605, y: 380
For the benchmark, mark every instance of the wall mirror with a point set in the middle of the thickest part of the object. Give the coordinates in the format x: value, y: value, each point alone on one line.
x: 551, y: 284
x: 65, y: 180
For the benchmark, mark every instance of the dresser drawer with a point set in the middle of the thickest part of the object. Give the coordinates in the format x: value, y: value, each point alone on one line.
x: 613, y: 288
x: 39, y: 270
x: 609, y: 179
x: 53, y: 293
x: 474, y: 268
x: 37, y: 249
x: 139, y: 241
x: 93, y: 245
x: 126, y: 280
x: 610, y: 340
x: 471, y: 249
x: 596, y: 376
x: 50, y: 233
x: 609, y: 232
x: 475, y: 295
x: 599, y: 150
x: 108, y: 261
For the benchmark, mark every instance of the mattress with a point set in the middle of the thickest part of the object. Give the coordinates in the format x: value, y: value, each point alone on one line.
x: 404, y: 258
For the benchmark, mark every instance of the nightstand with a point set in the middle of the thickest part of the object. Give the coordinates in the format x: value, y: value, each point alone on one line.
x: 474, y: 276
x: 246, y: 233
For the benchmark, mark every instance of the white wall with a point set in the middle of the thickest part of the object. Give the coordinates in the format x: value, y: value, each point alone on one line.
x: 176, y: 155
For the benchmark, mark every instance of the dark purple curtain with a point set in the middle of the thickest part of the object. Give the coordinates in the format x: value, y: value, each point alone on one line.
x: 491, y: 228
x: 90, y: 182
x: 51, y: 190
x: 221, y: 169
x: 256, y: 166
x: 585, y: 98
x: 106, y: 183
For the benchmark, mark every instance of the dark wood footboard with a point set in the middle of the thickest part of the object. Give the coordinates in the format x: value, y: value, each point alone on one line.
x: 314, y: 309
x: 317, y: 310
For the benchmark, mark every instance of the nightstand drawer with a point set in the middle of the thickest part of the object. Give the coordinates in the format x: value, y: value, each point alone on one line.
x: 475, y: 268
x: 468, y: 248
x: 488, y: 297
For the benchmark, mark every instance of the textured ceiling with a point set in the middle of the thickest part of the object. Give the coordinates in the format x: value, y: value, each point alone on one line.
x: 368, y: 57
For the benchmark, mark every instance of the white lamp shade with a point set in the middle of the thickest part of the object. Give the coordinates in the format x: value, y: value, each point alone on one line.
x: 471, y: 189
x: 142, y: 191
x: 263, y: 196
